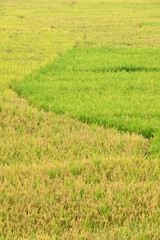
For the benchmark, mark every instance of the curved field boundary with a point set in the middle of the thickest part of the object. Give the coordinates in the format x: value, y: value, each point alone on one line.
x: 112, y: 87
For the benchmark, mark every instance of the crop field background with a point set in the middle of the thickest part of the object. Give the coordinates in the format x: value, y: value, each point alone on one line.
x: 79, y: 119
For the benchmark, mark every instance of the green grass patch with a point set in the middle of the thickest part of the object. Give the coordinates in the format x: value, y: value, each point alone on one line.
x: 113, y: 87
x: 149, y: 24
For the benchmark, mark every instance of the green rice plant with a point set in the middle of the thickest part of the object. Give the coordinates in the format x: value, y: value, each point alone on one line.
x: 112, y: 87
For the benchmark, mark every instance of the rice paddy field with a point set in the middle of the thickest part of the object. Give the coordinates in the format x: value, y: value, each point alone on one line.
x: 79, y: 119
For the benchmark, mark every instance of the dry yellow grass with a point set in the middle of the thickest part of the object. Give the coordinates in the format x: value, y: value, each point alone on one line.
x: 61, y: 179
